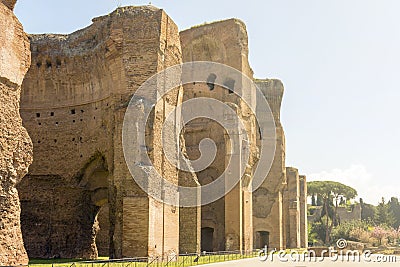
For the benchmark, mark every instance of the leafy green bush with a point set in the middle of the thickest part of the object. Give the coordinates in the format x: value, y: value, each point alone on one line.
x: 346, y: 230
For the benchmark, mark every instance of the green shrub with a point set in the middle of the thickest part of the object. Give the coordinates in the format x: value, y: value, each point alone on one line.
x: 346, y: 230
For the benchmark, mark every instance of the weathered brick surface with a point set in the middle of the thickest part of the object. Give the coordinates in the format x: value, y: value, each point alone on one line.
x: 73, y: 105
x: 223, y: 42
x: 15, y: 144
x: 267, y: 199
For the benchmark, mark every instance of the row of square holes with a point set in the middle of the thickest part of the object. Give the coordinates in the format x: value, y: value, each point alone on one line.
x: 49, y: 63
x: 73, y: 111
x: 52, y: 115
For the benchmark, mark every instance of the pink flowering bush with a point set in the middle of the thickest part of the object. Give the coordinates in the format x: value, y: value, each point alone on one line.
x: 393, y: 236
x: 380, y: 233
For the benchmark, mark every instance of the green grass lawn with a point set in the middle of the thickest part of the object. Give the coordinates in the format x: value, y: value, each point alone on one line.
x: 181, y: 261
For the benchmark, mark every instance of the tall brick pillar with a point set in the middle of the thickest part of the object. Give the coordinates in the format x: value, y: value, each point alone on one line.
x: 303, y: 212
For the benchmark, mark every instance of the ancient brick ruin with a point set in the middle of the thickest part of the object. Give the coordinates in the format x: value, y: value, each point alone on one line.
x: 73, y: 104
x: 79, y: 199
x: 15, y: 144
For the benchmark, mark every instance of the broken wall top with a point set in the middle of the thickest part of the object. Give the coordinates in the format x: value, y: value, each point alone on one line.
x: 273, y: 90
x: 99, y: 60
x: 14, y: 45
x: 9, y: 3
x: 223, y: 41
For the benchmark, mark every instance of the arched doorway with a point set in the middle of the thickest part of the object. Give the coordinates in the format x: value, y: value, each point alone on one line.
x: 59, y: 217
x: 213, y: 214
x: 95, y: 180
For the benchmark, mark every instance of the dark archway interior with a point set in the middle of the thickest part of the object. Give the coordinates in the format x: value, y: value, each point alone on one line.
x: 207, y: 239
x: 60, y: 218
x: 262, y: 239
x: 95, y: 180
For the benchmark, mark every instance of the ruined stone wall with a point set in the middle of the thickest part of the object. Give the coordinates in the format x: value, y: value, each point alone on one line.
x: 15, y: 144
x: 223, y: 42
x: 165, y: 241
x: 73, y: 104
x: 66, y: 107
x: 346, y: 214
x: 268, y: 198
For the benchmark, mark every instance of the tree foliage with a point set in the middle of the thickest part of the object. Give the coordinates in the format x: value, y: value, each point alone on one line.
x: 384, y: 215
x: 330, y: 193
x: 394, y: 209
x: 368, y: 211
x: 379, y: 223
x: 328, y: 189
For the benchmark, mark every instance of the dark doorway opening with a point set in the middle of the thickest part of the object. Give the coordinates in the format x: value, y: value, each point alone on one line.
x: 207, y: 239
x: 262, y: 239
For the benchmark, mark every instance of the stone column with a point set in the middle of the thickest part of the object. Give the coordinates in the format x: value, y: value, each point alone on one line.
x: 303, y: 212
x: 294, y: 207
x: 233, y: 221
x: 247, y: 220
x: 233, y: 199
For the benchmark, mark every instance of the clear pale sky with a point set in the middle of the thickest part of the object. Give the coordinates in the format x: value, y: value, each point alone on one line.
x: 339, y: 61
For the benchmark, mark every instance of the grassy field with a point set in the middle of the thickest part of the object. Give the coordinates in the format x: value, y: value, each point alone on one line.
x: 181, y: 261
